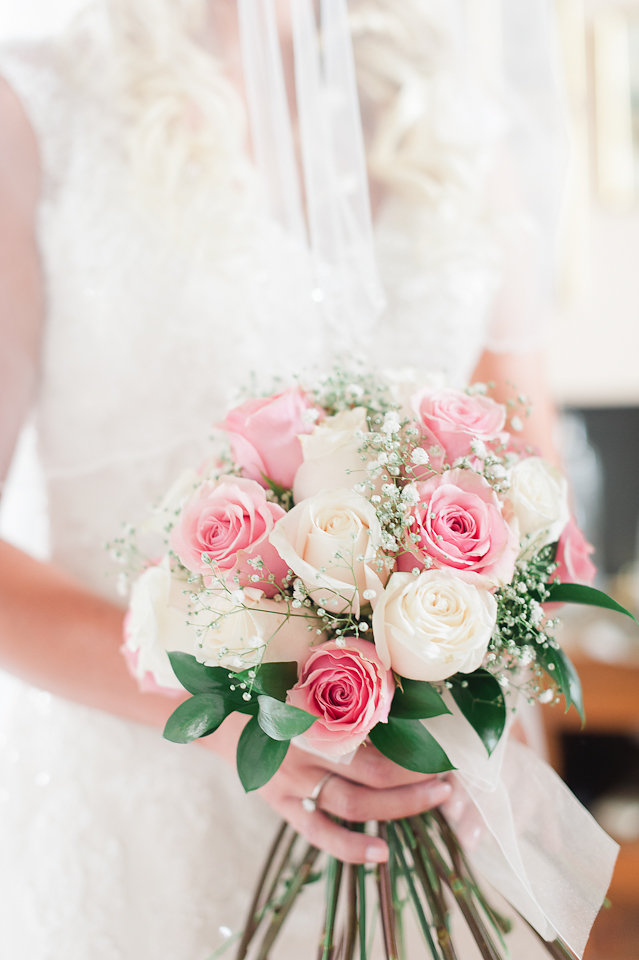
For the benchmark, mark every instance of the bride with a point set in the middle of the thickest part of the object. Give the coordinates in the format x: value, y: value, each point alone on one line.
x: 168, y: 233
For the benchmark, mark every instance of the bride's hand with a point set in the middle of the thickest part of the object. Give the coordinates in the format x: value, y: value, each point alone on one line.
x: 371, y: 787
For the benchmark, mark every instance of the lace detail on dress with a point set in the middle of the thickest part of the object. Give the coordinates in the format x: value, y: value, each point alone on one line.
x: 116, y: 844
x: 154, y: 323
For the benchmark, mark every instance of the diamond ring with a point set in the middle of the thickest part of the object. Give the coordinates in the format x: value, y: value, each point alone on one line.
x: 310, y: 803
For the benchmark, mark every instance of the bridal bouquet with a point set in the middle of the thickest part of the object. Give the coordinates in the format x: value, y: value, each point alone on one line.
x: 369, y: 561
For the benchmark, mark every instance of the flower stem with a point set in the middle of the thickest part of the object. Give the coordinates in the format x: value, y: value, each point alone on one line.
x: 432, y: 891
x: 350, y: 930
x: 457, y: 882
x: 333, y: 883
x: 361, y: 910
x: 259, y: 901
x: 417, y: 904
x: 282, y: 909
x: 437, y: 862
x: 386, y: 904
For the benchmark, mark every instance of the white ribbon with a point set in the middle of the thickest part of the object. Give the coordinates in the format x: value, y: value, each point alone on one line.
x: 541, y: 849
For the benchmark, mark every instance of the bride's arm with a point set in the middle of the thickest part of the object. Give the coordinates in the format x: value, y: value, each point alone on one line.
x: 59, y: 636
x: 56, y: 634
x: 52, y: 632
x: 524, y: 373
x: 521, y: 313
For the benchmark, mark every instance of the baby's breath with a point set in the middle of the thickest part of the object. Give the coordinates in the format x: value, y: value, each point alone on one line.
x: 523, y: 631
x: 343, y: 389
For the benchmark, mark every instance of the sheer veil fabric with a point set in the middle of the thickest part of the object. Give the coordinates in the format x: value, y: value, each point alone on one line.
x: 520, y: 114
x: 336, y: 223
x: 506, y: 63
x: 301, y: 269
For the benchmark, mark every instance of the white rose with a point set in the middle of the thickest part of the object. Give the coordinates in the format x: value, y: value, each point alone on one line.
x: 244, y: 628
x: 332, y: 541
x: 539, y: 496
x: 222, y: 629
x: 331, y: 455
x: 434, y: 625
x: 160, y: 619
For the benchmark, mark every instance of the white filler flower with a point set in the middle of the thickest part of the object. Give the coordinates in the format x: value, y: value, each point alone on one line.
x: 434, y: 625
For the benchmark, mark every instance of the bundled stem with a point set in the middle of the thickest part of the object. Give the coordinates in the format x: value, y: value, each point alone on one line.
x: 427, y: 867
x: 387, y: 908
x: 333, y: 883
x: 361, y: 911
x: 417, y: 904
x: 260, y: 900
x: 350, y: 940
x: 456, y: 882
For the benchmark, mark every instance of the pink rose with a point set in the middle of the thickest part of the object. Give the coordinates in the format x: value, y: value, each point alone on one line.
x: 454, y: 419
x: 264, y: 435
x: 348, y: 689
x: 225, y: 525
x: 459, y: 525
x: 573, y: 556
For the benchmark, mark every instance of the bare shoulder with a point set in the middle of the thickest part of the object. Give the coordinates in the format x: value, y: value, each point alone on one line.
x: 19, y: 157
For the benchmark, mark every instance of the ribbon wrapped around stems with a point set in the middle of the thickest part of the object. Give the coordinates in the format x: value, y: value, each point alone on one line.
x: 540, y: 849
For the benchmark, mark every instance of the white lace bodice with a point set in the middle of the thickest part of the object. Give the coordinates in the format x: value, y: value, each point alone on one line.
x: 154, y: 320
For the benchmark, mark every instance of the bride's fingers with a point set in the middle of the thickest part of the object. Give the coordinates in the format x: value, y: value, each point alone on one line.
x: 371, y: 787
x: 371, y: 768
x: 358, y: 803
x: 336, y: 840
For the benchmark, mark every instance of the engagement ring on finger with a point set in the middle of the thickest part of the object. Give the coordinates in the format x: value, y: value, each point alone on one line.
x: 310, y: 803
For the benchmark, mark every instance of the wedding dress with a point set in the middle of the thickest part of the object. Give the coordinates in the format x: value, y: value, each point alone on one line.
x: 114, y: 843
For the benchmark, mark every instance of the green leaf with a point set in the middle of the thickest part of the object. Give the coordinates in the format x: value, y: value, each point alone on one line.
x: 281, y: 721
x: 196, y: 717
x: 282, y: 493
x: 272, y: 679
x: 562, y: 672
x: 416, y: 700
x: 258, y: 756
x: 580, y: 593
x: 408, y: 743
x: 196, y: 677
x: 481, y: 700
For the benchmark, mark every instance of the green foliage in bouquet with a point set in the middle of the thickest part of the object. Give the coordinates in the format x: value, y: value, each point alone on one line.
x: 481, y: 700
x: 261, y: 694
x: 402, y: 466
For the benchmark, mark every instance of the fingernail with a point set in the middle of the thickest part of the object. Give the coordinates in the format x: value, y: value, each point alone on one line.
x: 375, y: 854
x: 438, y: 792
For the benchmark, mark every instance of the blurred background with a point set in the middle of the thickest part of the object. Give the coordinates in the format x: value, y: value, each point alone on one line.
x: 595, y: 379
